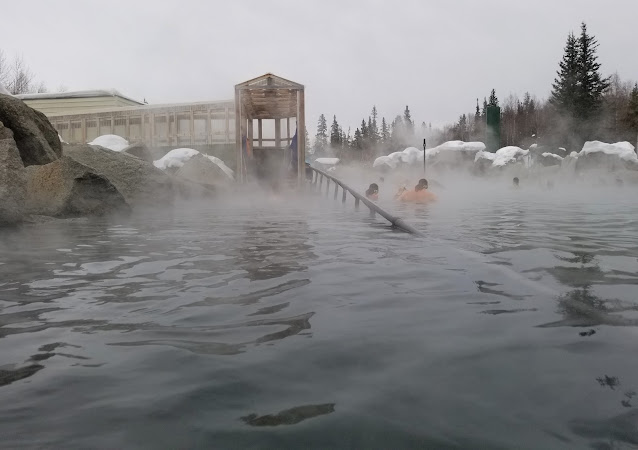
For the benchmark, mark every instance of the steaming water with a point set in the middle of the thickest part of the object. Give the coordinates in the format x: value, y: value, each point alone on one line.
x: 305, y: 324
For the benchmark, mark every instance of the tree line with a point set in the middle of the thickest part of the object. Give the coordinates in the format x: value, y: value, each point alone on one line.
x: 368, y: 140
x: 583, y: 105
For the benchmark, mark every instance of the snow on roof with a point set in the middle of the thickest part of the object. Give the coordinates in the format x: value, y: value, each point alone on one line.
x: 178, y: 157
x: 552, y: 155
x: 77, y: 94
x: 327, y: 161
x: 110, y: 141
x: 624, y: 150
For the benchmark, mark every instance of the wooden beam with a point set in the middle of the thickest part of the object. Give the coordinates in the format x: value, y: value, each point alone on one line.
x: 301, y: 137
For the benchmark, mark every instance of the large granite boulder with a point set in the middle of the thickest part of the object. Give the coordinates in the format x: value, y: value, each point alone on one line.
x: 66, y: 188
x: 37, y: 140
x: 138, y: 181
x: 141, y: 151
x: 200, y: 169
x: 12, y: 180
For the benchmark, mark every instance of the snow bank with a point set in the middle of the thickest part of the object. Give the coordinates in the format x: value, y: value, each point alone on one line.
x: 62, y: 140
x: 327, y: 161
x: 111, y: 141
x: 4, y: 90
x: 623, y: 150
x: 461, y: 146
x: 177, y: 157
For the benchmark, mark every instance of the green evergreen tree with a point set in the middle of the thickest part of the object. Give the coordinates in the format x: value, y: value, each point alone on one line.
x: 407, y: 121
x: 493, y: 101
x: 321, y: 138
x: 374, y: 128
x: 565, y: 87
x: 484, y: 110
x: 335, y: 135
x: 591, y: 84
x: 631, y: 118
x: 357, y: 142
x: 385, y: 131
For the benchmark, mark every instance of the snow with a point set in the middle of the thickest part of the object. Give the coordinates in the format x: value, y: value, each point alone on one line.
x: 111, y: 141
x: 552, y: 155
x: 384, y: 161
x: 503, y: 156
x: 508, y: 155
x: 623, y: 150
x: 227, y: 170
x: 62, y: 140
x: 461, y: 146
x: 327, y: 161
x: 4, y: 90
x: 176, y: 158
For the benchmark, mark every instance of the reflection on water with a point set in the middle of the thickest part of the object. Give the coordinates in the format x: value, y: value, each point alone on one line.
x: 244, y: 326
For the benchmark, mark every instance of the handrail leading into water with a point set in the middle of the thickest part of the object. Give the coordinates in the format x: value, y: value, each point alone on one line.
x: 374, y: 208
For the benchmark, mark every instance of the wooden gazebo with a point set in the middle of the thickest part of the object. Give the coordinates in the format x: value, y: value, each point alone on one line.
x: 273, y: 102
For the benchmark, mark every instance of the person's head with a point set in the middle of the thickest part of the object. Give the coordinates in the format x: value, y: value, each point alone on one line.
x: 423, y: 184
x: 515, y: 180
x: 373, y: 189
x: 381, y: 179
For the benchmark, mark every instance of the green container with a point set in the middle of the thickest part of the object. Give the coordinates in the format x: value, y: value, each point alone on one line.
x: 493, y: 129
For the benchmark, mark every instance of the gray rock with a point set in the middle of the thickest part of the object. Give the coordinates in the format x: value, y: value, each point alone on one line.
x: 66, y: 188
x: 12, y: 181
x: 138, y: 181
x: 600, y: 161
x: 37, y: 140
x: 202, y: 170
x: 141, y: 151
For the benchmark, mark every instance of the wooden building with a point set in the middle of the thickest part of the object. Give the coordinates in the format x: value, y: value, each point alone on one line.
x: 269, y: 108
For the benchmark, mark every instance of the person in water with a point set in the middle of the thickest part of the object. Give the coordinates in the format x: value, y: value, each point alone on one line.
x: 420, y: 194
x: 515, y: 181
x: 373, y: 192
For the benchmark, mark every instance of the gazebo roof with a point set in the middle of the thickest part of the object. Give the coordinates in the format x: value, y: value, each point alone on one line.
x: 269, y: 97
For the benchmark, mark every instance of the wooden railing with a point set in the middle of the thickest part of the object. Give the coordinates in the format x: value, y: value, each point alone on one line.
x: 317, y: 182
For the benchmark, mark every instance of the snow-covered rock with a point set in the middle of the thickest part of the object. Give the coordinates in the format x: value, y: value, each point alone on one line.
x: 176, y: 158
x: 603, y: 156
x: 110, y: 141
x: 502, y: 157
x: 550, y: 159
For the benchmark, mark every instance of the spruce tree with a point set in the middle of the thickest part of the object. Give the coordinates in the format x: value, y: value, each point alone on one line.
x: 335, y: 135
x: 493, y: 101
x: 591, y: 84
x: 631, y: 117
x: 565, y: 87
x: 357, y: 142
x: 321, y: 138
x: 374, y: 128
x: 385, y: 131
x: 484, y: 110
x: 407, y: 120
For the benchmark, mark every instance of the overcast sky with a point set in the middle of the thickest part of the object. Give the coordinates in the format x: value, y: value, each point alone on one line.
x: 436, y: 56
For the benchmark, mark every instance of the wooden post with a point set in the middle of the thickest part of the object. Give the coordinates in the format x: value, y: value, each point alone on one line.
x: 288, y: 130
x: 301, y: 136
x: 128, y: 128
x: 336, y: 190
x: 112, y: 124
x: 327, y: 186
x: 152, y: 129
x: 98, y: 125
x: 238, y: 146
x: 84, y: 130
x: 191, y: 126
x: 356, y: 203
x: 249, y: 134
x: 343, y: 197
x: 209, y: 134
x: 227, y: 117
x: 278, y: 133
x: 320, y: 182
x: 260, y: 134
